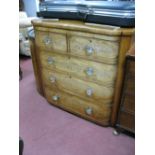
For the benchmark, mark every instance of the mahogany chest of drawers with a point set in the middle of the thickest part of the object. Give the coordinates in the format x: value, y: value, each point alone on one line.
x: 78, y: 67
x: 126, y: 114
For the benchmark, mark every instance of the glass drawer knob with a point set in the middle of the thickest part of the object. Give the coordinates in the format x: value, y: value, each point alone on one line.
x: 50, y: 60
x: 55, y: 98
x: 89, y: 71
x: 89, y: 111
x: 89, y: 91
x: 47, y: 40
x: 53, y: 79
x: 89, y: 50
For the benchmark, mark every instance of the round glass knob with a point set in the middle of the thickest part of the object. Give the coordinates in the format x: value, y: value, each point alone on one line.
x: 55, y: 98
x: 53, y: 79
x: 50, y: 60
x: 89, y: 71
x: 89, y: 50
x: 89, y: 91
x: 47, y: 40
x: 89, y: 111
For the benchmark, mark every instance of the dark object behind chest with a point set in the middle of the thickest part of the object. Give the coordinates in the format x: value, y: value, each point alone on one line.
x: 118, y: 13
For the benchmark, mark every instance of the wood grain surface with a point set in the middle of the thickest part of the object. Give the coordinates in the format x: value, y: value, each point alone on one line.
x: 86, y: 63
x: 78, y: 106
x: 87, y: 90
x: 100, y: 73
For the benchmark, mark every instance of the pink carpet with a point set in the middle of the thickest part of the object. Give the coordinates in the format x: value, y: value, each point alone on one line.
x: 47, y: 130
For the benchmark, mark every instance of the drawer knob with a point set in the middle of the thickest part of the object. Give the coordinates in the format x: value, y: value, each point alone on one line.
x: 89, y: 50
x: 89, y: 71
x: 55, y: 97
x: 47, y: 40
x: 89, y: 91
x: 53, y: 79
x: 89, y: 111
x: 50, y: 60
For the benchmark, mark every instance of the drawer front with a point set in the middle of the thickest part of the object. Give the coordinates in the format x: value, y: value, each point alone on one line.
x: 80, y: 107
x: 78, y: 87
x: 127, y: 121
x: 128, y: 103
x: 51, y: 41
x: 87, y: 70
x: 94, y: 48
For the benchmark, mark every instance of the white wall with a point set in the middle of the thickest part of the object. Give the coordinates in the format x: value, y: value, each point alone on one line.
x: 31, y: 7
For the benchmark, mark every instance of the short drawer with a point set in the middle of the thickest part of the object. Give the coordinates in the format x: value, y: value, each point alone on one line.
x: 78, y: 87
x: 126, y: 121
x: 91, y: 71
x: 78, y: 106
x: 51, y: 41
x: 91, y: 47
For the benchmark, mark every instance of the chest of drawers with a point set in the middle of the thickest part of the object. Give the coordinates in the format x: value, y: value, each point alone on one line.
x: 126, y: 115
x: 78, y: 67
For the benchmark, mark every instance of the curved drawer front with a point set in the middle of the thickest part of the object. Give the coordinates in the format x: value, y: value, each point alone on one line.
x: 51, y: 41
x: 78, y: 87
x: 92, y: 71
x: 80, y: 107
x: 94, y: 48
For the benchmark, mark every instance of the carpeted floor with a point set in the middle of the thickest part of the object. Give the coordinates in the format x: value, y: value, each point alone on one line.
x: 47, y: 130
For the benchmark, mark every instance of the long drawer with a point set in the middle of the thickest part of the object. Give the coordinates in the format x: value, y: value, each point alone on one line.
x: 78, y: 106
x: 78, y: 87
x: 92, y: 71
